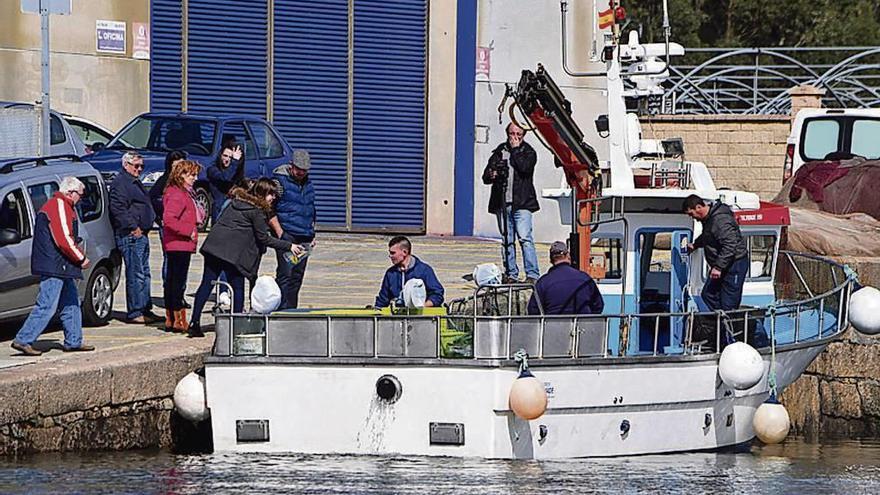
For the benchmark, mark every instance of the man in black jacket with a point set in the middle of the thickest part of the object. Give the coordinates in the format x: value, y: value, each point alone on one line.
x: 513, y: 200
x: 132, y: 216
x: 725, y: 252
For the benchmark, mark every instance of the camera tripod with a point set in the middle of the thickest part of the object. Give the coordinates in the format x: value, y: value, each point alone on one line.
x: 505, y: 227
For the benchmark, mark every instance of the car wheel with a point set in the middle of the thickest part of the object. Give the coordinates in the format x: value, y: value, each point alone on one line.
x: 203, y: 198
x: 98, y: 301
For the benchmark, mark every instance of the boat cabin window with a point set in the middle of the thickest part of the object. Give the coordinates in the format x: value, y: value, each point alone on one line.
x: 761, y: 250
x: 655, y: 266
x: 606, y: 255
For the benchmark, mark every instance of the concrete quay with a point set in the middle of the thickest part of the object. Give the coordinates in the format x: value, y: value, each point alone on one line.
x: 119, y: 397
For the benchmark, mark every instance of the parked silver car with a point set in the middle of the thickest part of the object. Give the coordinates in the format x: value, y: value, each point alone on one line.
x: 25, y: 186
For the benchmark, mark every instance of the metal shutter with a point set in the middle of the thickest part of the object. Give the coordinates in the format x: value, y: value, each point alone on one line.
x: 165, y: 55
x: 388, y: 183
x: 311, y: 94
x: 227, y: 56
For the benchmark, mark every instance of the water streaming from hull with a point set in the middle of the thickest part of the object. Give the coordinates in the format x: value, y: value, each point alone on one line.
x: 371, y: 436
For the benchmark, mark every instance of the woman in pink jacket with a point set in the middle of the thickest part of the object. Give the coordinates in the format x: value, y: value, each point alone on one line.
x: 180, y: 220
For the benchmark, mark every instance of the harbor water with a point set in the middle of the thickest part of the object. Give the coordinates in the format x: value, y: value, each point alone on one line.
x: 797, y: 467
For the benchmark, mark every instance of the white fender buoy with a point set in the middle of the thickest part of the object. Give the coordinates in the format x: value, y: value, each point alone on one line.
x: 527, y: 398
x: 771, y: 422
x: 740, y: 366
x: 189, y: 398
x: 864, y: 310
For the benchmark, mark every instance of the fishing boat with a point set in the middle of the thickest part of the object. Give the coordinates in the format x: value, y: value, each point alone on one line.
x: 646, y: 376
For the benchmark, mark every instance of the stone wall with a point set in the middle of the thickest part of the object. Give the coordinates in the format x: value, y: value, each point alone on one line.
x: 114, y: 402
x: 839, y: 394
x: 744, y: 152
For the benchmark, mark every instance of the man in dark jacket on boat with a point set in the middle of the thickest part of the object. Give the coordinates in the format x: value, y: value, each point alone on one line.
x: 724, y: 249
x: 406, y: 267
x: 565, y: 290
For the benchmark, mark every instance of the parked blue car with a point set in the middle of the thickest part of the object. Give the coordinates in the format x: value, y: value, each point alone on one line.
x: 154, y: 134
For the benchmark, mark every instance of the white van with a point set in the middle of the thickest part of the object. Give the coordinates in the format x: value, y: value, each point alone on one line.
x: 831, y: 133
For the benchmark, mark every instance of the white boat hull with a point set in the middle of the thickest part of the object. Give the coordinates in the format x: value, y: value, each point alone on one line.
x: 328, y: 407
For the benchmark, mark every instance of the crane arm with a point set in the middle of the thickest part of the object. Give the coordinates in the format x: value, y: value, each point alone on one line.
x: 543, y: 103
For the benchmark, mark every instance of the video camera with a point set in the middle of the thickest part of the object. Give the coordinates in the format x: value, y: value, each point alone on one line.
x: 498, y: 164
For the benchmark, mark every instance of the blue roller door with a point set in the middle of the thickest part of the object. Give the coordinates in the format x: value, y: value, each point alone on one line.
x: 319, y: 91
x: 310, y: 94
x: 165, y: 55
x: 388, y: 182
x: 226, y: 67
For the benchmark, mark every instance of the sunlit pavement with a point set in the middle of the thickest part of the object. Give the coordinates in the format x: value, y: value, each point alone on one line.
x: 344, y: 270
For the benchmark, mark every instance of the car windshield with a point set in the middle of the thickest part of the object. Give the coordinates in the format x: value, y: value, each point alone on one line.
x: 167, y: 133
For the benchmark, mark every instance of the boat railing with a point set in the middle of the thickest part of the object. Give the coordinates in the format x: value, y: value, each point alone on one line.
x: 494, y: 323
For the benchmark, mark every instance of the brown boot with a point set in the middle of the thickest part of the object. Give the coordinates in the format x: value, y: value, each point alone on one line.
x: 169, y: 320
x: 181, y: 324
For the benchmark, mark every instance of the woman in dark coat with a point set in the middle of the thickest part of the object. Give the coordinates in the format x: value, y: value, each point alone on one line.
x: 234, y: 246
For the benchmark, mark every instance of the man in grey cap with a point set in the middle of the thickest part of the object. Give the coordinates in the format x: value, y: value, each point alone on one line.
x: 565, y: 290
x: 296, y: 212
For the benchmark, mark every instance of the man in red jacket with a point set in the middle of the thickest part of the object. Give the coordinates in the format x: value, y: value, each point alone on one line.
x: 58, y: 261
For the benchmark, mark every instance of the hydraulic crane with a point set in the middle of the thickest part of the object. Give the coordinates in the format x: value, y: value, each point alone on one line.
x: 543, y: 103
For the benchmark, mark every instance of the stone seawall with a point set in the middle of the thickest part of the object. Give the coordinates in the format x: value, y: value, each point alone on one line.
x: 839, y: 394
x: 117, y: 399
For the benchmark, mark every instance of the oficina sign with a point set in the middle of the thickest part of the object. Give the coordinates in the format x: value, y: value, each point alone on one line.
x: 111, y: 36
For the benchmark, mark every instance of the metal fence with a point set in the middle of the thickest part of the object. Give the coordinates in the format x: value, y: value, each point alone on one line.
x: 757, y: 80
x: 813, y: 295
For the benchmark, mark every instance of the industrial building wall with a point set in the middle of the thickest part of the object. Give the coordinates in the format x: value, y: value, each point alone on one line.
x: 511, y: 36
x: 107, y: 88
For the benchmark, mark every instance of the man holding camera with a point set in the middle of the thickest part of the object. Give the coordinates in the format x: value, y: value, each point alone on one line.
x: 513, y: 200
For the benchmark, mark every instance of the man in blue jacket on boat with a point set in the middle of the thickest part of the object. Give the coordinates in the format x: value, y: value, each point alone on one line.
x: 565, y: 290
x: 406, y: 267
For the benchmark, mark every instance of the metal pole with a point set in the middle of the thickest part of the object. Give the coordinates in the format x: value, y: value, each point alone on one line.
x: 44, y: 67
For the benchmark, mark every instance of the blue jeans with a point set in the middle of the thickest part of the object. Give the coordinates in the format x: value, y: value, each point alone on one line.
x: 54, y: 292
x: 290, y: 277
x: 214, y: 268
x: 725, y: 293
x: 136, y: 255
x: 519, y: 225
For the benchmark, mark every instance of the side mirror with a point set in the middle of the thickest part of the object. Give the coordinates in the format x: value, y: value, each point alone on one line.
x: 96, y: 147
x: 9, y: 236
